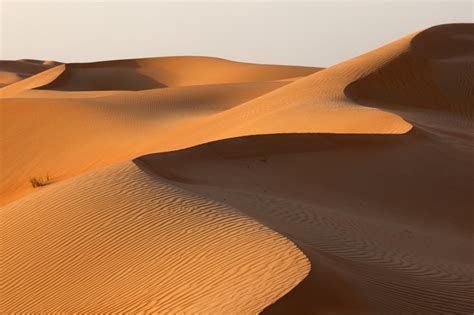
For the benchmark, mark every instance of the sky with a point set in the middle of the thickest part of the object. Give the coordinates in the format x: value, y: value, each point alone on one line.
x: 312, y: 33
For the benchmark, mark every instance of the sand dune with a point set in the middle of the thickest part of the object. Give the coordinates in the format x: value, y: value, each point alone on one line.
x: 306, y: 105
x: 124, y: 125
x: 187, y: 184
x: 150, y: 73
x: 349, y: 221
x: 435, y: 72
x: 13, y: 71
x: 119, y: 240
x: 31, y: 82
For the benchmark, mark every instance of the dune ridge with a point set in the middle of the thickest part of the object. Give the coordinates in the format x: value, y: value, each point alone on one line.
x: 296, y: 107
x: 438, y: 60
x: 149, y: 73
x: 119, y: 240
x: 31, y: 82
x: 141, y: 120
x: 377, y: 243
x: 202, y: 185
x: 12, y: 71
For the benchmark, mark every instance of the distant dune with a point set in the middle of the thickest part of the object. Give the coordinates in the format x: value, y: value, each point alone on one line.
x: 13, y: 71
x: 152, y: 73
x: 200, y: 185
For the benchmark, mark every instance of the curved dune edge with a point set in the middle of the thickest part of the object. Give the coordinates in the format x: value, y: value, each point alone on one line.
x: 363, y: 183
x: 121, y: 240
x: 12, y: 71
x: 434, y: 72
x: 32, y: 82
x: 338, y: 197
x: 161, y: 72
x: 193, y: 114
x: 124, y: 125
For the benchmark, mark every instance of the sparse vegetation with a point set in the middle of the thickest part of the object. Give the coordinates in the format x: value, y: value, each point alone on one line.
x: 40, y: 181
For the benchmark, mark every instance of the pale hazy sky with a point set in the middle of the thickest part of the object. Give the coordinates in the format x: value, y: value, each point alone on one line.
x: 317, y: 33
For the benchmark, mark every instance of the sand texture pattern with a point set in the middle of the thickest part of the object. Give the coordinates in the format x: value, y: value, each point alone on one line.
x: 198, y: 185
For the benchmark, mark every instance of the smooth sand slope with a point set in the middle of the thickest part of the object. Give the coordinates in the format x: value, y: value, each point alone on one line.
x: 63, y: 137
x: 122, y: 241
x: 151, y: 120
x: 438, y: 61
x: 150, y: 73
x: 384, y: 235
x: 366, y: 166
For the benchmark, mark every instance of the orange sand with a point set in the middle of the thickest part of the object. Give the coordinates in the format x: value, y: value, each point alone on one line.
x: 201, y: 185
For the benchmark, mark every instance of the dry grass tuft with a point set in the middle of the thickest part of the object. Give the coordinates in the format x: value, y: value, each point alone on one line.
x: 39, y: 181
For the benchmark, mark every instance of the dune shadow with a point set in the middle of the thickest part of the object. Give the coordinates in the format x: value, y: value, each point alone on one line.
x: 114, y: 75
x: 434, y: 74
x: 336, y: 196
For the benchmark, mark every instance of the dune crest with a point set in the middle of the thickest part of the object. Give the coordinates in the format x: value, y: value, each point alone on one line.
x: 122, y: 241
x: 34, y: 81
x: 435, y: 71
x: 348, y: 219
x: 203, y: 185
x: 12, y: 71
x: 150, y: 73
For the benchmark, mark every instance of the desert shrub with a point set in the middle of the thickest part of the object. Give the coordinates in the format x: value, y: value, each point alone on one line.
x: 39, y: 181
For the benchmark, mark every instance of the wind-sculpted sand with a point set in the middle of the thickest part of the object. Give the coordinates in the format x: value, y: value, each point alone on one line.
x: 199, y: 185
x: 374, y: 235
x: 121, y: 240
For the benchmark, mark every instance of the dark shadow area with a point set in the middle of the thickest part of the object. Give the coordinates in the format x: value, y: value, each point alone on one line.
x: 25, y: 68
x: 103, y: 76
x: 363, y: 208
x: 435, y: 74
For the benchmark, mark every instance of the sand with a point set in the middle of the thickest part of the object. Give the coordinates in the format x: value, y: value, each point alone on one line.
x: 124, y: 241
x: 205, y: 186
x: 13, y: 71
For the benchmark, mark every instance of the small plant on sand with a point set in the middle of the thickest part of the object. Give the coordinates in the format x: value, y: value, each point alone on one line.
x: 39, y: 181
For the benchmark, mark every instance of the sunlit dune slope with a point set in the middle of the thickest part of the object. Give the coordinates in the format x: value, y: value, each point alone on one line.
x: 315, y: 103
x: 417, y: 70
x: 182, y: 184
x: 31, y: 82
x: 120, y: 240
x: 365, y: 209
x: 434, y: 71
x: 15, y: 70
x: 63, y: 137
x: 150, y: 73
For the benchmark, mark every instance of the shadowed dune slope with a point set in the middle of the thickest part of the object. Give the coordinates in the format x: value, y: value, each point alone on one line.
x: 174, y: 118
x: 435, y: 71
x: 365, y: 209
x: 326, y: 98
x: 12, y: 71
x: 119, y: 240
x: 149, y: 73
x: 31, y: 82
x: 63, y: 137
x: 367, y: 166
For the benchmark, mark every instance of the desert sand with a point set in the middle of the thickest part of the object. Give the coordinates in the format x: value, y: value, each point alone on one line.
x: 198, y: 185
